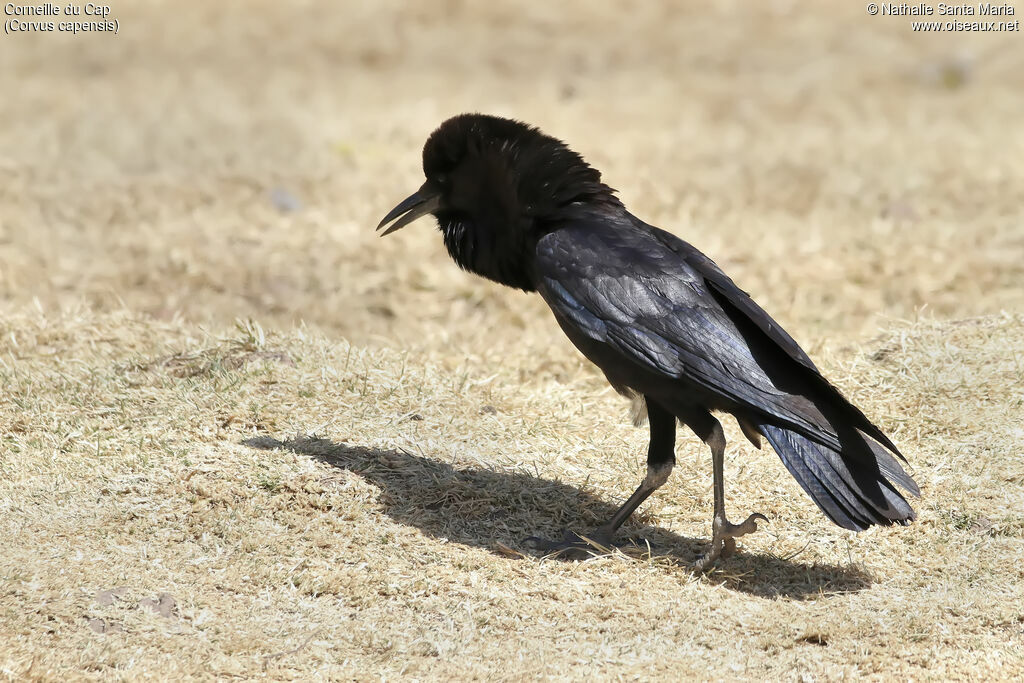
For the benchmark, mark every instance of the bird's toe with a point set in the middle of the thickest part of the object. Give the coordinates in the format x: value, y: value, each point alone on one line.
x: 747, y: 526
x: 572, y: 546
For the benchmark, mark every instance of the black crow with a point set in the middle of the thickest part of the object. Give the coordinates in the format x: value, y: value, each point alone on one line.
x: 665, y: 324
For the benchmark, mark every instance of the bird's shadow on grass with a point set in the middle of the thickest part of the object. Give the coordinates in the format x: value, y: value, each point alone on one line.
x: 498, y: 510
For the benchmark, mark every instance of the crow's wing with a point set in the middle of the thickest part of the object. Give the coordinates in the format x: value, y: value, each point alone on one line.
x: 736, y: 301
x: 637, y: 300
x: 723, y: 285
x: 657, y: 303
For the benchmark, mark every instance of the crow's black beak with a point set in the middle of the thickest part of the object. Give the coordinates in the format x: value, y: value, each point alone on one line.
x: 420, y: 203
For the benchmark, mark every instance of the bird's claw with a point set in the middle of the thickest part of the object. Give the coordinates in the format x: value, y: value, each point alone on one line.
x: 723, y: 542
x: 747, y: 526
x: 574, y: 546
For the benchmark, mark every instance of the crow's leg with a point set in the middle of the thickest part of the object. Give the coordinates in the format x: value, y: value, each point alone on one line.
x: 723, y: 531
x: 660, y: 460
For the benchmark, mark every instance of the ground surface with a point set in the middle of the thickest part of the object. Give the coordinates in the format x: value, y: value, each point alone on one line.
x: 340, y: 489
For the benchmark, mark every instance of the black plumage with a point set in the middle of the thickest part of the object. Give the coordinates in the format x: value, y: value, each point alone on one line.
x: 662, y: 321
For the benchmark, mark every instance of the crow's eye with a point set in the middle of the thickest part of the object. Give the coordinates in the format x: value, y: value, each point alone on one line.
x: 441, y: 179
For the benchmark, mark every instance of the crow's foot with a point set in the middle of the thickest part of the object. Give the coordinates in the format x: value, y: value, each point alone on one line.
x: 575, y: 546
x: 722, y: 543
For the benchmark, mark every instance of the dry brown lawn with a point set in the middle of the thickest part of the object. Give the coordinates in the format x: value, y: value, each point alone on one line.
x: 339, y: 487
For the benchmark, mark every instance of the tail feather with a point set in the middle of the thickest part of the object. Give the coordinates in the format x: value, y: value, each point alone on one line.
x: 854, y: 488
x: 891, y: 467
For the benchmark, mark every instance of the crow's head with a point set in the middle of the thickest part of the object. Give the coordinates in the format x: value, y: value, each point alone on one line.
x: 496, y: 186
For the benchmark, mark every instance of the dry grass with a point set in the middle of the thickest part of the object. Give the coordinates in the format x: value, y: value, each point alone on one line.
x: 157, y: 459
x: 345, y: 494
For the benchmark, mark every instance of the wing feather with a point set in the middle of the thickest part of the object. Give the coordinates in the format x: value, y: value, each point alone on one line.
x: 633, y: 297
x: 647, y: 302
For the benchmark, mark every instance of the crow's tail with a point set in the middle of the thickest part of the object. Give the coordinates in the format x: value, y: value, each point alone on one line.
x: 855, y: 488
